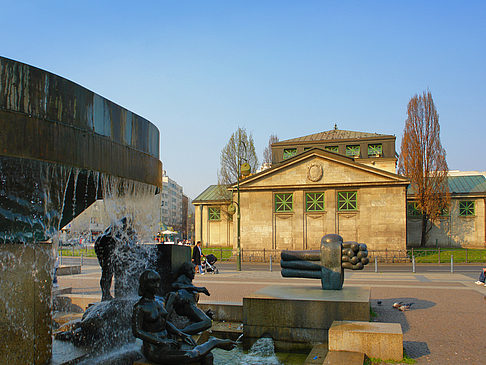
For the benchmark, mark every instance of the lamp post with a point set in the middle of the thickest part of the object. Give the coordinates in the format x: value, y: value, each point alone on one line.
x: 243, y: 170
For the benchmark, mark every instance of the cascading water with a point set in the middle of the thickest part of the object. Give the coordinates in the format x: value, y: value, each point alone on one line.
x: 59, y: 143
x: 261, y: 352
x: 31, y: 204
x: 31, y: 194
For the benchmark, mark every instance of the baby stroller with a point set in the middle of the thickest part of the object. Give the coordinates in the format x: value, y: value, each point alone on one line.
x: 208, y: 264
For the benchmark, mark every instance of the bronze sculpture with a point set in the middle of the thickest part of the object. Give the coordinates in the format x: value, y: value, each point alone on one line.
x: 163, y: 343
x: 328, y: 263
x: 112, y: 249
x: 187, y: 296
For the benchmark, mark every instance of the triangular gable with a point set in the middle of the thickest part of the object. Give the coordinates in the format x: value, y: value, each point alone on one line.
x: 319, y: 167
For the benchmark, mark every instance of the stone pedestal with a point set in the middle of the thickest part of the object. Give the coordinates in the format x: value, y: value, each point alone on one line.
x: 25, y: 303
x: 168, y: 261
x: 379, y: 340
x: 298, y: 317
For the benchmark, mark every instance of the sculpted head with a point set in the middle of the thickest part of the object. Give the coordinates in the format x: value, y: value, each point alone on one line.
x: 187, y: 269
x: 149, y: 283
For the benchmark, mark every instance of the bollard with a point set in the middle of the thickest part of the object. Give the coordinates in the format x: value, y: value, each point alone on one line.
x: 270, y: 263
x: 376, y: 264
x: 413, y: 263
x: 452, y: 263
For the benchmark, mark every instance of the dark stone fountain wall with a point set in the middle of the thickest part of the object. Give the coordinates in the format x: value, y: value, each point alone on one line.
x: 56, y: 140
x: 46, y: 117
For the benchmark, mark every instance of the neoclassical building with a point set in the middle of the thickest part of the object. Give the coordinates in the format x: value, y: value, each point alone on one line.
x: 340, y: 182
x: 330, y: 182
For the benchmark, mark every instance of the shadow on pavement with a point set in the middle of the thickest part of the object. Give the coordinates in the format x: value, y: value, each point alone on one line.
x: 387, y: 314
x: 414, y: 349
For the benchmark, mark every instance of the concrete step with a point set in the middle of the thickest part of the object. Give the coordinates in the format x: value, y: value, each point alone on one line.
x: 231, y: 330
x: 61, y: 318
x: 61, y: 291
x: 317, y: 355
x: 68, y: 270
x: 344, y: 358
x: 76, y: 303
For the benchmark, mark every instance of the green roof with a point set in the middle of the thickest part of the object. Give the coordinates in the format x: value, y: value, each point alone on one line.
x: 462, y: 185
x: 467, y: 184
x: 213, y: 193
x: 334, y: 134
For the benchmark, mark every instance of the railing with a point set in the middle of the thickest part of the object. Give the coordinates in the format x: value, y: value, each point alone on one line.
x: 438, y: 255
x: 421, y: 255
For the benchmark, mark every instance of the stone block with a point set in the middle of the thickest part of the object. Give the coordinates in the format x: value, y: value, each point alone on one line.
x: 75, y: 303
x: 229, y: 312
x: 317, y: 355
x: 69, y: 270
x: 379, y: 340
x: 25, y: 307
x: 344, y: 358
x: 301, y: 315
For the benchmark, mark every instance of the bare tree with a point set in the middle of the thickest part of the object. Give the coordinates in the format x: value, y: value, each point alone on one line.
x: 267, y: 152
x: 239, y: 149
x: 423, y: 160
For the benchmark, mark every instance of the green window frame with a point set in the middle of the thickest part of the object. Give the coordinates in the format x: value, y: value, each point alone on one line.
x: 347, y: 201
x: 375, y: 149
x: 214, y: 213
x: 289, y: 152
x: 314, y: 202
x: 413, y: 210
x: 284, y: 202
x: 466, y: 208
x: 334, y: 149
x: 353, y: 150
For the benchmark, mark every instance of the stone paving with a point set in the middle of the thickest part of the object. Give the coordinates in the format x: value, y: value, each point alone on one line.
x: 446, y: 323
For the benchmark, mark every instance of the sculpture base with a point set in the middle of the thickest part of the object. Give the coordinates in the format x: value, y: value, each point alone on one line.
x: 297, y: 318
x: 25, y: 305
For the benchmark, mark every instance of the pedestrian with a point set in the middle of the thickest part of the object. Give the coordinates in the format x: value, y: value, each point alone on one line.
x: 196, y: 257
x: 482, y: 277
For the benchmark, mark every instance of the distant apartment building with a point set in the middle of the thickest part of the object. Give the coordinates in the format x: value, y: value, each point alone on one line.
x: 171, y: 206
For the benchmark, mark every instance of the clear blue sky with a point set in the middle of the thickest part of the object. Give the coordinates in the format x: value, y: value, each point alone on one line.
x: 200, y: 69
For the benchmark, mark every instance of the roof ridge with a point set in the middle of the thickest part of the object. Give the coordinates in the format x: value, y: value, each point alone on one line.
x: 333, y: 134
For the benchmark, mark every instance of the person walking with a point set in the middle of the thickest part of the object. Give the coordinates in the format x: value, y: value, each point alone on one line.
x: 196, y: 257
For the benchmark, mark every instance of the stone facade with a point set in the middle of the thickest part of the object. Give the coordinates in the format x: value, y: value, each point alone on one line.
x: 379, y: 217
x: 331, y: 164
x: 213, y: 232
x: 453, y: 229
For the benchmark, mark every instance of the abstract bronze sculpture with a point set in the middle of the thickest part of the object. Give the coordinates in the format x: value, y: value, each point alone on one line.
x: 328, y: 263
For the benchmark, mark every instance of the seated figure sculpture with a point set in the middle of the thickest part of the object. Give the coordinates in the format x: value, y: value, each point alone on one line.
x: 163, y: 343
x: 186, y: 300
x: 328, y: 263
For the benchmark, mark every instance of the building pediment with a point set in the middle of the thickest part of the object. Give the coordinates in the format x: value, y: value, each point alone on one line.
x: 320, y: 168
